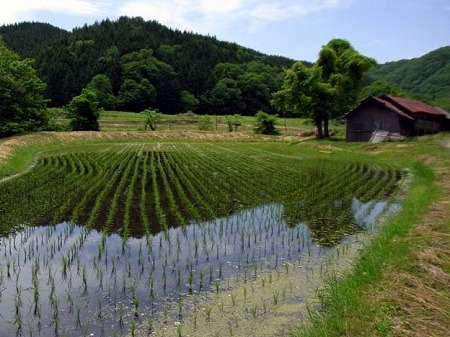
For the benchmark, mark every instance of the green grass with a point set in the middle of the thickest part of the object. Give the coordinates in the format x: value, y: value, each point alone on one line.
x: 22, y: 158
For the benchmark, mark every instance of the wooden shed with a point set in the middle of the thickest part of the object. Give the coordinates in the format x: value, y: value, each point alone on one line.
x: 394, y: 117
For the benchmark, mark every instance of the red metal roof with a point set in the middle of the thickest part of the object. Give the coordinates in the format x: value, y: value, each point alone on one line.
x: 405, y: 107
x: 412, y: 106
x: 392, y: 107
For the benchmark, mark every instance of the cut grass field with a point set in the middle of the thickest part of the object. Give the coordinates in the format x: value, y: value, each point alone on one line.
x: 129, y: 121
x: 399, y: 286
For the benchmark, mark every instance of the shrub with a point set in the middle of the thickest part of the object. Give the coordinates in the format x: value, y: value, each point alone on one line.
x: 265, y: 123
x: 84, y: 112
x: 205, y: 123
x: 153, y: 116
x: 233, y: 122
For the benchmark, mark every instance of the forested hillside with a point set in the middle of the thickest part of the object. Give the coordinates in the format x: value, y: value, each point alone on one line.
x: 134, y: 64
x: 426, y: 77
x: 28, y: 37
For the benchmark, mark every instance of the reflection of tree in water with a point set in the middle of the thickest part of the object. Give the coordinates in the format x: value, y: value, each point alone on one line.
x: 329, y: 221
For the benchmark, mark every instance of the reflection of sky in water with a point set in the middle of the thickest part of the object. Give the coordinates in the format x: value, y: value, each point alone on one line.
x: 103, y: 274
x: 366, y: 213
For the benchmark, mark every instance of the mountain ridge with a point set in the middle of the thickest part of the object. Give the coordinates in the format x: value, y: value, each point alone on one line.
x: 426, y: 77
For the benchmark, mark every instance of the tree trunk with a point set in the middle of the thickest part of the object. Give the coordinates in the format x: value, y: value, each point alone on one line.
x: 319, y: 128
x: 325, y: 127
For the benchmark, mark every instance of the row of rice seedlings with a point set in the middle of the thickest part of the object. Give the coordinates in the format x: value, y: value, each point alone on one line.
x: 242, y: 170
x: 194, y: 185
x: 37, y: 255
x: 131, y: 198
x: 211, y: 189
x: 176, y: 180
x: 144, y: 205
x: 234, y: 180
x: 122, y: 187
x: 75, y: 185
x: 168, y: 188
x: 382, y: 181
x: 64, y: 261
x: 33, y: 196
x: 285, y: 164
x: 97, y: 189
x: 383, y: 199
x: 336, y: 178
x: 160, y: 213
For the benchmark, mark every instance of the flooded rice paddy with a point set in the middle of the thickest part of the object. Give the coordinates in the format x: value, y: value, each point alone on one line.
x: 179, y: 239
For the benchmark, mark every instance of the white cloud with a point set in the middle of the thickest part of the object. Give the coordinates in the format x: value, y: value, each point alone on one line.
x: 202, y: 16
x: 213, y: 6
x: 159, y: 11
x: 206, y: 16
x: 20, y: 10
x: 282, y: 10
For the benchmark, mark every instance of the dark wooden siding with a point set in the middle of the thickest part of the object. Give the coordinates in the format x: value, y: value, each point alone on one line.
x: 369, y: 117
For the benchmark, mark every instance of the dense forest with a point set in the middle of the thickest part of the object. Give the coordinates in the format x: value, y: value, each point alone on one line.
x: 134, y: 64
x: 426, y: 77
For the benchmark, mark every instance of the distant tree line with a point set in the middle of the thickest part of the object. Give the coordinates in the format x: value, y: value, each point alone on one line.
x: 132, y: 64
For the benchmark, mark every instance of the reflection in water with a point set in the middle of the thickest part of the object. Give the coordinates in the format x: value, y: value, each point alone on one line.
x: 366, y: 213
x: 330, y: 221
x: 72, y: 280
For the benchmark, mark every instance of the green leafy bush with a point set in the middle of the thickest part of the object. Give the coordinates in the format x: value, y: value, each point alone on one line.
x: 84, y: 112
x: 205, y: 123
x: 265, y: 123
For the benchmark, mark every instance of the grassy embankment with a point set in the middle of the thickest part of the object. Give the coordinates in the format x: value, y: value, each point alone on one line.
x: 401, y: 284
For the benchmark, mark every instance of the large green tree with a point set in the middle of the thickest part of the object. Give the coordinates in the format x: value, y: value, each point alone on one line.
x: 84, y: 112
x: 22, y: 105
x: 101, y: 85
x: 326, y: 90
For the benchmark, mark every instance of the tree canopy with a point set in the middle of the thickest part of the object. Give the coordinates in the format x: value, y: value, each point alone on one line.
x: 150, y: 65
x: 22, y: 104
x: 326, y: 90
x: 84, y: 112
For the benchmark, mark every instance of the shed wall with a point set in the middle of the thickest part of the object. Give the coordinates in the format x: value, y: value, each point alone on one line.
x: 370, y: 117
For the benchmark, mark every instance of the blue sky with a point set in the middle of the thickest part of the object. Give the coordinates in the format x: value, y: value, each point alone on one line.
x: 387, y: 30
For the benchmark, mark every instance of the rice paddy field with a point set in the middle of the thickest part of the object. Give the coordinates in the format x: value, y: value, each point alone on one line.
x: 182, y: 237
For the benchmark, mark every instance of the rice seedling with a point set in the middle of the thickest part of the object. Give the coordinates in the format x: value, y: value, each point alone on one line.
x: 208, y: 313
